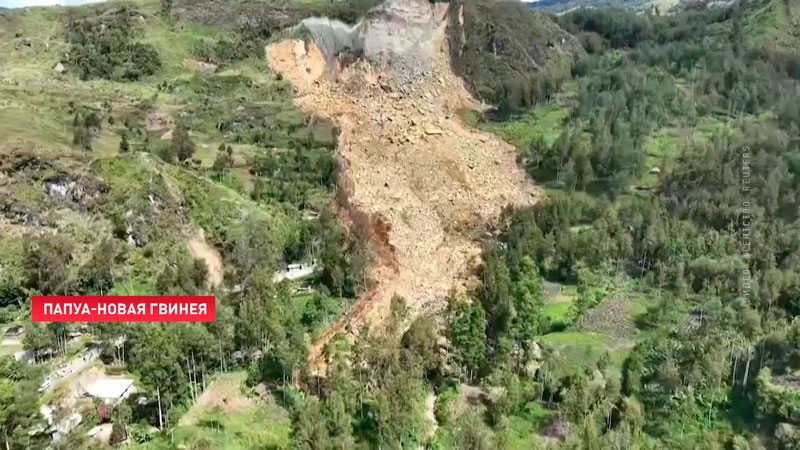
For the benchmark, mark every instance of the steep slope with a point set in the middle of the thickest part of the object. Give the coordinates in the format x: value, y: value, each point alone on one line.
x: 425, y: 187
x: 507, y: 54
x: 156, y: 214
x: 772, y: 24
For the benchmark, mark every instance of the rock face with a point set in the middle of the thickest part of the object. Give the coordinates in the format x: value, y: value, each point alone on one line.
x: 334, y: 37
x: 403, y: 35
x: 78, y: 194
x: 419, y: 186
x: 398, y: 36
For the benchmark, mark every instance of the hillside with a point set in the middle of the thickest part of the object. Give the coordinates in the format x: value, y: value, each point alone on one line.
x: 563, y: 6
x: 773, y: 24
x: 426, y: 187
x: 151, y: 149
x: 657, y: 159
x: 145, y: 155
x: 508, y: 55
x: 66, y: 169
x: 426, y: 225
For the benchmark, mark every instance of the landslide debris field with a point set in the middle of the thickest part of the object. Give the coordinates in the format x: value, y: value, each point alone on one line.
x: 427, y: 188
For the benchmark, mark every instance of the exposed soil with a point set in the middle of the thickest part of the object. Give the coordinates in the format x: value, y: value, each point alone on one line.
x: 224, y: 394
x: 427, y: 186
x: 200, y: 249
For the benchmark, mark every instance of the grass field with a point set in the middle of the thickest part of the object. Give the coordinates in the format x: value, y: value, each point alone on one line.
x: 543, y: 122
x: 665, y: 5
x: 522, y: 433
x: 559, y: 311
x: 661, y: 148
x: 576, y: 351
x: 8, y: 350
x: 227, y: 417
x: 610, y: 326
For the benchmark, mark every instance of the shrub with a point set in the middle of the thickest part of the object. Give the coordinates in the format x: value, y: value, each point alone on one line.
x: 103, y: 47
x: 117, y: 434
x: 442, y: 409
x: 182, y: 146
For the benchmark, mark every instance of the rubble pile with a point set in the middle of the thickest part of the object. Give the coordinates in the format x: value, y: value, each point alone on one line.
x: 429, y: 186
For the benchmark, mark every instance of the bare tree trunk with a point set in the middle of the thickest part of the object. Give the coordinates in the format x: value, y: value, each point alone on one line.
x: 160, y: 419
x: 746, y: 369
x: 221, y: 355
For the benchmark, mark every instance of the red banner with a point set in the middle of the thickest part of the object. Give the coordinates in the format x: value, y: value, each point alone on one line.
x: 168, y: 308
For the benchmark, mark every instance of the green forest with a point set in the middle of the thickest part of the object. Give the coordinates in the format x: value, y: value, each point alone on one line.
x: 647, y: 301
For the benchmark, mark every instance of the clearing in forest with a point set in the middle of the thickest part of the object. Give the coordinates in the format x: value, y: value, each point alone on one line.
x: 226, y: 404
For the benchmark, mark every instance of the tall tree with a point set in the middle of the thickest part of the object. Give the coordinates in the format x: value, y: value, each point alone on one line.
x: 182, y: 145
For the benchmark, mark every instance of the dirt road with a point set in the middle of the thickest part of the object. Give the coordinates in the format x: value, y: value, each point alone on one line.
x: 69, y: 370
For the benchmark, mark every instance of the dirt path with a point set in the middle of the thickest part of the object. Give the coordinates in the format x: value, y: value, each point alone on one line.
x: 200, y: 249
x: 430, y: 413
x: 225, y: 394
x: 428, y: 187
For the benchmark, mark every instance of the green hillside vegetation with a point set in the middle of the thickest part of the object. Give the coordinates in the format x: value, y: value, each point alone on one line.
x: 231, y: 416
x: 630, y: 308
x: 704, y: 354
x: 774, y: 25
x: 507, y: 54
x: 105, y: 47
x: 119, y: 146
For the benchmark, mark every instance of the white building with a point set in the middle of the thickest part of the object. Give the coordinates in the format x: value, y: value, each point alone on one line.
x: 295, y: 271
x: 111, y: 390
